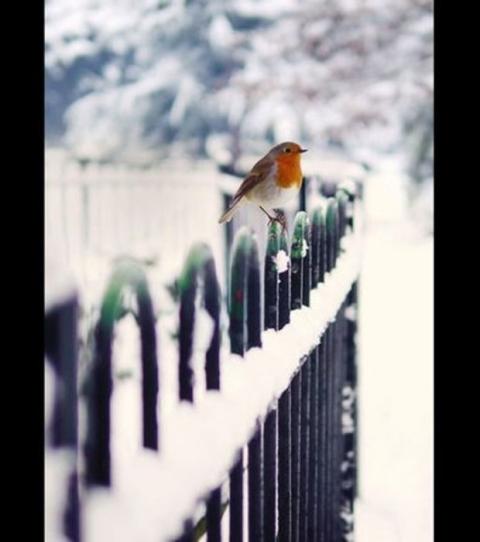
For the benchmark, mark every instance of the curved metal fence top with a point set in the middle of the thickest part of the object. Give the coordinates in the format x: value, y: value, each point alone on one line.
x: 301, y: 261
x: 244, y: 293
x: 198, y: 278
x: 318, y: 246
x: 272, y: 264
x: 333, y: 239
x: 127, y: 274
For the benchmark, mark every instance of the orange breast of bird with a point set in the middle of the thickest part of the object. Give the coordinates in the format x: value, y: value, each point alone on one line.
x: 289, y: 173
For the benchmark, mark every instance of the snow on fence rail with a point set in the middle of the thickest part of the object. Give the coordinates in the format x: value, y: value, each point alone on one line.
x: 270, y: 452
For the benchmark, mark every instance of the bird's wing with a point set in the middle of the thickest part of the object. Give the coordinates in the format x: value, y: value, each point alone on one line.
x: 258, y: 174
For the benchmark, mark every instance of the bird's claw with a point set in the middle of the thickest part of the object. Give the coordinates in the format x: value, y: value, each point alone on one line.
x: 280, y: 218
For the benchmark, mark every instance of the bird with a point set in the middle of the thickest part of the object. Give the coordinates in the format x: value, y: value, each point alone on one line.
x: 273, y: 181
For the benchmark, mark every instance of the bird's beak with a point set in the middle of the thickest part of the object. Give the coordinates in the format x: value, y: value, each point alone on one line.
x: 303, y: 150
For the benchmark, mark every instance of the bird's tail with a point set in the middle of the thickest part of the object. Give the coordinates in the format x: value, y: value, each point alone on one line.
x: 227, y: 216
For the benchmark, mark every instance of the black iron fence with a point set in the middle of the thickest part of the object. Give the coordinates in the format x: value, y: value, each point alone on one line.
x: 300, y: 461
x: 61, y: 352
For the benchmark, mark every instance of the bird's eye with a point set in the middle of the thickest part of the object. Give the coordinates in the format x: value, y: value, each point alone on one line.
x: 287, y: 149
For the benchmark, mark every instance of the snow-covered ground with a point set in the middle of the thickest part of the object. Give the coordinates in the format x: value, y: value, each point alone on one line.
x: 396, y: 374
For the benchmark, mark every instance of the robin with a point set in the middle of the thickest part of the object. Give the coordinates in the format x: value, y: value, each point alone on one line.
x: 273, y: 180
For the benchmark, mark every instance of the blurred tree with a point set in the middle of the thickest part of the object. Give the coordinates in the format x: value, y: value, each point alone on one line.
x: 142, y: 80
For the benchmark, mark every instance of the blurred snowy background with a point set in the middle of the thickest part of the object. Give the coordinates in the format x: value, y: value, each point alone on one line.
x: 137, y: 81
x: 145, y: 99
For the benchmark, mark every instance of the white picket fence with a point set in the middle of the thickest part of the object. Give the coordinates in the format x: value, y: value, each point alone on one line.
x: 98, y: 213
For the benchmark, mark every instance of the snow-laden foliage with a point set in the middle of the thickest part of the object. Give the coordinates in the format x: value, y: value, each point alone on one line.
x: 139, y: 80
